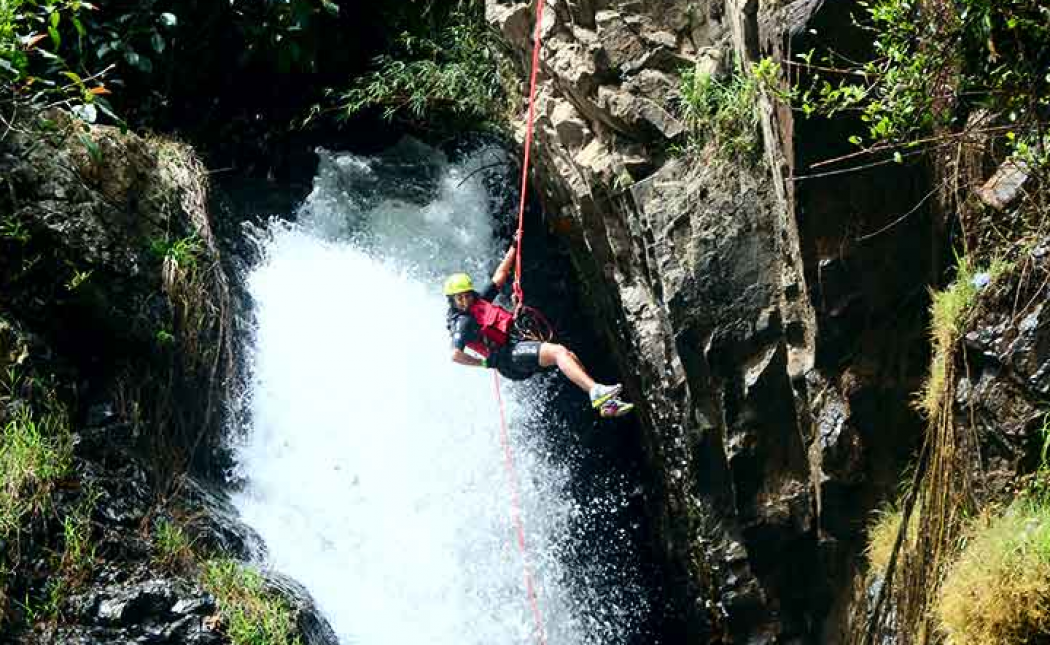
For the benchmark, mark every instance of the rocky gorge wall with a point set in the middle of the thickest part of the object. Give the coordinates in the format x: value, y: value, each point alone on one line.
x: 116, y: 363
x: 766, y: 343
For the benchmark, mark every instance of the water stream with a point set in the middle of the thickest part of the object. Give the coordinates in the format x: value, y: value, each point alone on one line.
x: 372, y: 466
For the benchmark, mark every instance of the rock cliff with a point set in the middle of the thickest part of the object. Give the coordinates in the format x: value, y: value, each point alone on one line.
x: 116, y: 360
x: 743, y: 302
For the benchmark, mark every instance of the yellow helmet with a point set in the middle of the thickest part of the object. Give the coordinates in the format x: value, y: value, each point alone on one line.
x: 458, y: 283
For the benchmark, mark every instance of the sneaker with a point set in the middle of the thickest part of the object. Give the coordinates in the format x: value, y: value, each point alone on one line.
x: 602, y: 393
x: 615, y: 408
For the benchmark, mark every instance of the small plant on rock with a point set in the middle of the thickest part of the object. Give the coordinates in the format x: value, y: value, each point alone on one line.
x: 173, y: 546
x: 722, y: 114
x: 34, y: 454
x: 252, y: 615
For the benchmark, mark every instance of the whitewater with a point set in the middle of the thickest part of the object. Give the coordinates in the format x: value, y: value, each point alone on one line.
x: 372, y: 467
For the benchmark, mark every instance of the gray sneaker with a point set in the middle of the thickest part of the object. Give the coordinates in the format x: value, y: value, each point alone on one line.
x: 600, y: 394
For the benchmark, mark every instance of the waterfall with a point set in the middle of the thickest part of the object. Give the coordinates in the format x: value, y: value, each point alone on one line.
x: 372, y: 467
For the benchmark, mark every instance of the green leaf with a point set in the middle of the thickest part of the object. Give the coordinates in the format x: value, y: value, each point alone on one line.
x: 897, y: 157
x: 168, y: 20
x: 140, y: 63
x: 92, y: 148
x: 855, y: 140
x: 158, y: 43
x: 106, y: 108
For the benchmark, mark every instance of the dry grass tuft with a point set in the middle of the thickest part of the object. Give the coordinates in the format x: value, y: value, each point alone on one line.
x: 882, y: 533
x: 950, y: 313
x: 998, y: 591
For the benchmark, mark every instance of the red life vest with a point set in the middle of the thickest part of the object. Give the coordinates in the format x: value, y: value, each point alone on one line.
x: 495, y: 323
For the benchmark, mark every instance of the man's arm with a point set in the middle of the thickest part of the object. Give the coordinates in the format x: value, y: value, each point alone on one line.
x: 503, y: 270
x: 464, y: 328
x: 463, y: 358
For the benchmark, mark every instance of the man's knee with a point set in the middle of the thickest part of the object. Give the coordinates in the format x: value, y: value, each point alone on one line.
x: 553, y: 354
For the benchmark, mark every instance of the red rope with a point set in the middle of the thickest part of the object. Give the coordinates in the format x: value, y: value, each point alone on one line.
x: 519, y: 299
x: 515, y: 507
x: 519, y: 295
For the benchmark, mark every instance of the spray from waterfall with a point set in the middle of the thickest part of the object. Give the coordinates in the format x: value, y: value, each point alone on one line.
x: 372, y: 468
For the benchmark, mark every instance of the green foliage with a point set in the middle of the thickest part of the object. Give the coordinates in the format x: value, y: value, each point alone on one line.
x: 723, y: 114
x: 77, y: 560
x: 457, y: 72
x: 284, y: 30
x: 184, y: 252
x: 34, y: 453
x: 934, y: 63
x: 252, y: 615
x: 40, y: 41
x: 172, y: 545
x: 137, y: 39
x: 998, y: 590
x: 78, y: 278
x: 950, y: 314
x: 12, y: 229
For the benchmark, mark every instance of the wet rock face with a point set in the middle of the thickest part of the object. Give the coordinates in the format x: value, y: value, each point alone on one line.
x: 698, y: 288
x: 1004, y: 389
x: 106, y: 251
x: 159, y: 610
x: 93, y: 204
x: 83, y: 295
x: 774, y: 367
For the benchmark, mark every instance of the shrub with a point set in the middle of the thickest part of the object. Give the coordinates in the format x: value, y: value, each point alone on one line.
x: 458, y: 71
x: 252, y: 615
x: 934, y: 62
x: 722, y: 114
x: 998, y: 590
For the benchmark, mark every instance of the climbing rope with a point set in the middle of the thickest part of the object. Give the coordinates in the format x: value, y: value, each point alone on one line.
x: 519, y: 295
x: 519, y: 307
x: 515, y: 510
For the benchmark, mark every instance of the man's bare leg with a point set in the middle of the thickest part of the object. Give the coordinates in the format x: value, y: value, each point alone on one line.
x: 568, y: 363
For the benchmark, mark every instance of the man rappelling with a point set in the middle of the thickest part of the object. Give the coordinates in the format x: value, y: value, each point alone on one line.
x: 477, y: 323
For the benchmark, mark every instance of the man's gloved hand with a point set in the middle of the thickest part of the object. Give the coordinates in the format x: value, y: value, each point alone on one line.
x: 490, y: 361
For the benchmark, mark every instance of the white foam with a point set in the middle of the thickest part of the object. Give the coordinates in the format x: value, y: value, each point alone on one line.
x: 373, y: 466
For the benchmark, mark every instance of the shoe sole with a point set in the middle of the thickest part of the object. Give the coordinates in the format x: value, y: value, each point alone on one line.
x: 620, y: 411
x: 611, y: 394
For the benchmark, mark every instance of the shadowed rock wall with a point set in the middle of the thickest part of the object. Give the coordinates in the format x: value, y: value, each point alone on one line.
x: 716, y: 285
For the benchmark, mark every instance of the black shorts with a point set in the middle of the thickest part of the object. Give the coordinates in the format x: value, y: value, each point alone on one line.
x: 519, y: 360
